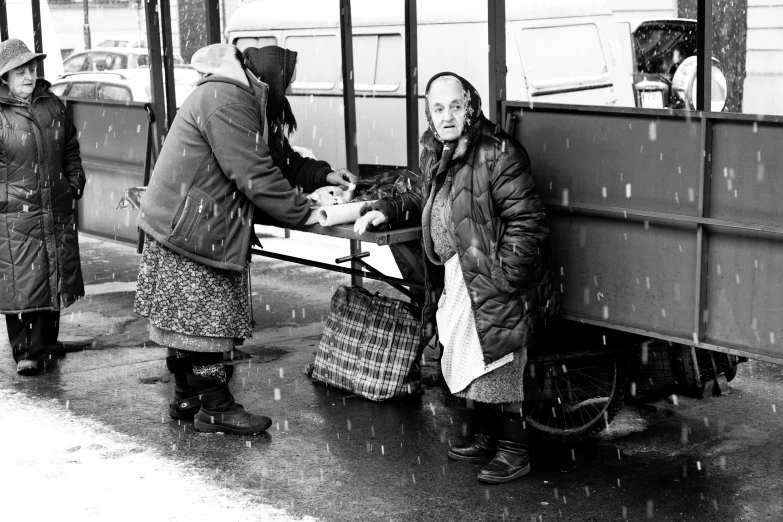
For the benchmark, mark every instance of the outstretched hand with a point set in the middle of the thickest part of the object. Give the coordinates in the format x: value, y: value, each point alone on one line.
x: 373, y: 217
x: 341, y: 178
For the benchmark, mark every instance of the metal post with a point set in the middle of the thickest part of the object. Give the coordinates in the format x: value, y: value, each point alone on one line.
x: 37, y: 36
x: 158, y: 101
x: 704, y: 55
x: 87, y: 36
x: 213, y: 21
x: 412, y: 84
x: 168, y: 63
x: 349, y: 103
x: 496, y: 32
x: 3, y: 22
x: 702, y: 239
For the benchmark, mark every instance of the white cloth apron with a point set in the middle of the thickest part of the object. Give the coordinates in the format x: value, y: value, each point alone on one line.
x: 463, y: 360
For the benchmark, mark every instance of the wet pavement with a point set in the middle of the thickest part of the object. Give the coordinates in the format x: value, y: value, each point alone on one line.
x: 336, y: 457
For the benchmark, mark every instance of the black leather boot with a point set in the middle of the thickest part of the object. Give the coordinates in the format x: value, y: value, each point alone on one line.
x: 482, y: 448
x: 218, y: 412
x: 180, y: 367
x: 511, y: 460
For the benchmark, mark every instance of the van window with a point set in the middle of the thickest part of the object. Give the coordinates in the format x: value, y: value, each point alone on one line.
x: 318, y: 62
x: 390, y: 69
x: 261, y: 41
x: 365, y: 49
x: 379, y: 62
x: 568, y: 54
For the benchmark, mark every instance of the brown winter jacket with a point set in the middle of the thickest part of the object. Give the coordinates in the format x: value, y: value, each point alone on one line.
x: 41, y: 178
x: 500, y: 229
x: 215, y: 169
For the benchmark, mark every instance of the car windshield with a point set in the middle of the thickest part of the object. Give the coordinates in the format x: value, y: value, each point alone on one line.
x: 660, y: 48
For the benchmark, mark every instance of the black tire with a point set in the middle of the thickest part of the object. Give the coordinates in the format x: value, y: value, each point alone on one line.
x: 569, y: 400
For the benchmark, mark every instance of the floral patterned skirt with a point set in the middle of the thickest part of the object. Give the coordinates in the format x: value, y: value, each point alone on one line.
x: 190, y: 305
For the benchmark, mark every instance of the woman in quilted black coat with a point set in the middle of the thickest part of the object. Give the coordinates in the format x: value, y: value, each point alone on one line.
x: 41, y: 178
x: 489, y: 287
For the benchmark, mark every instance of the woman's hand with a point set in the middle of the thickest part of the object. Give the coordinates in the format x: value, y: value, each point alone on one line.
x: 341, y: 178
x: 373, y: 217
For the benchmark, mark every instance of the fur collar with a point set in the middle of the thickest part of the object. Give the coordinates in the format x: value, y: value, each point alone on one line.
x: 430, y: 142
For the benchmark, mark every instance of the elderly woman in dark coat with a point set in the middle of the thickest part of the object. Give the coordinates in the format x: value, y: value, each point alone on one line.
x: 487, y: 277
x: 41, y: 178
x: 214, y: 177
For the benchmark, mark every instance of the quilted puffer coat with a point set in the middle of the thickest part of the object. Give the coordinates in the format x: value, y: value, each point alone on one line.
x: 41, y: 178
x: 500, y: 229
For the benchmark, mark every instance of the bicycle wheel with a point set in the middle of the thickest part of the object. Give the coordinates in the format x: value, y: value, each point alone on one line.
x: 568, y: 400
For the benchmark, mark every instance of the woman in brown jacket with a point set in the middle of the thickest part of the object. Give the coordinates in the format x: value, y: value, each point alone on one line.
x: 214, y: 177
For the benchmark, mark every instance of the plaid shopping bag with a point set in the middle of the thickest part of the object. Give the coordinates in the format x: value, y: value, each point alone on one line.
x: 371, y: 345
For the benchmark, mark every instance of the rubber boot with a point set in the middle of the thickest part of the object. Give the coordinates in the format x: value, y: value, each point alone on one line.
x: 218, y: 411
x: 180, y: 367
x: 511, y: 460
x: 482, y: 448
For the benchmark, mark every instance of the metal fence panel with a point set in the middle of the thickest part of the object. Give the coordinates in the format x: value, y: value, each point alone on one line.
x: 630, y: 233
x: 113, y: 143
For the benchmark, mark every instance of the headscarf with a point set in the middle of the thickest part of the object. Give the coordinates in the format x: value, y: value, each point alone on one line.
x: 471, y: 100
x: 274, y: 66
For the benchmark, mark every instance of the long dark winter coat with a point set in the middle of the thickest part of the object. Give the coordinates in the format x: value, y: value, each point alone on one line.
x: 215, y: 170
x: 500, y: 229
x: 41, y: 178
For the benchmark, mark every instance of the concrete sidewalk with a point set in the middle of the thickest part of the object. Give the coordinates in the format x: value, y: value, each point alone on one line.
x: 91, y: 438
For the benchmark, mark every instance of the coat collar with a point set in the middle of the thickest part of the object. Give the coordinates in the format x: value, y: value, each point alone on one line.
x: 41, y: 91
x: 433, y: 144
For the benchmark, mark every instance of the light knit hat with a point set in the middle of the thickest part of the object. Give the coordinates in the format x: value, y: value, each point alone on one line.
x: 218, y: 59
x: 14, y: 53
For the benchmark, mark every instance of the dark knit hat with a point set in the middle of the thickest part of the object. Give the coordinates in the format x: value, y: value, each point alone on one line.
x: 14, y: 53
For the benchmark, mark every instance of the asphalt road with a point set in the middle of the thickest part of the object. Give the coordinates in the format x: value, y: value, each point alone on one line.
x: 335, y: 457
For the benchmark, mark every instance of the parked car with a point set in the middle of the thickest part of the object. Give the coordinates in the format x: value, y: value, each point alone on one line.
x: 109, y: 59
x: 664, y: 53
x: 130, y: 85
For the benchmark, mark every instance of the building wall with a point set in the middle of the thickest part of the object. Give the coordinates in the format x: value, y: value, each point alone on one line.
x: 764, y: 81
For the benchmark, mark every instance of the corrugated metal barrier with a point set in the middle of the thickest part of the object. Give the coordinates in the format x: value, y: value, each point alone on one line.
x: 113, y: 140
x: 664, y: 224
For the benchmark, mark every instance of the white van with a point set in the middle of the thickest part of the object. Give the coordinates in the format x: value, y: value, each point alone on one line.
x: 559, y: 51
x: 20, y: 25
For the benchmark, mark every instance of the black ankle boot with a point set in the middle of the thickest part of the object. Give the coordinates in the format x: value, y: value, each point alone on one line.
x: 180, y: 367
x: 482, y: 448
x: 218, y: 411
x: 511, y: 460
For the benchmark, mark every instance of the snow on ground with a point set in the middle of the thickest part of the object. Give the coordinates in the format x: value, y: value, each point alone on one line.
x: 56, y: 466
